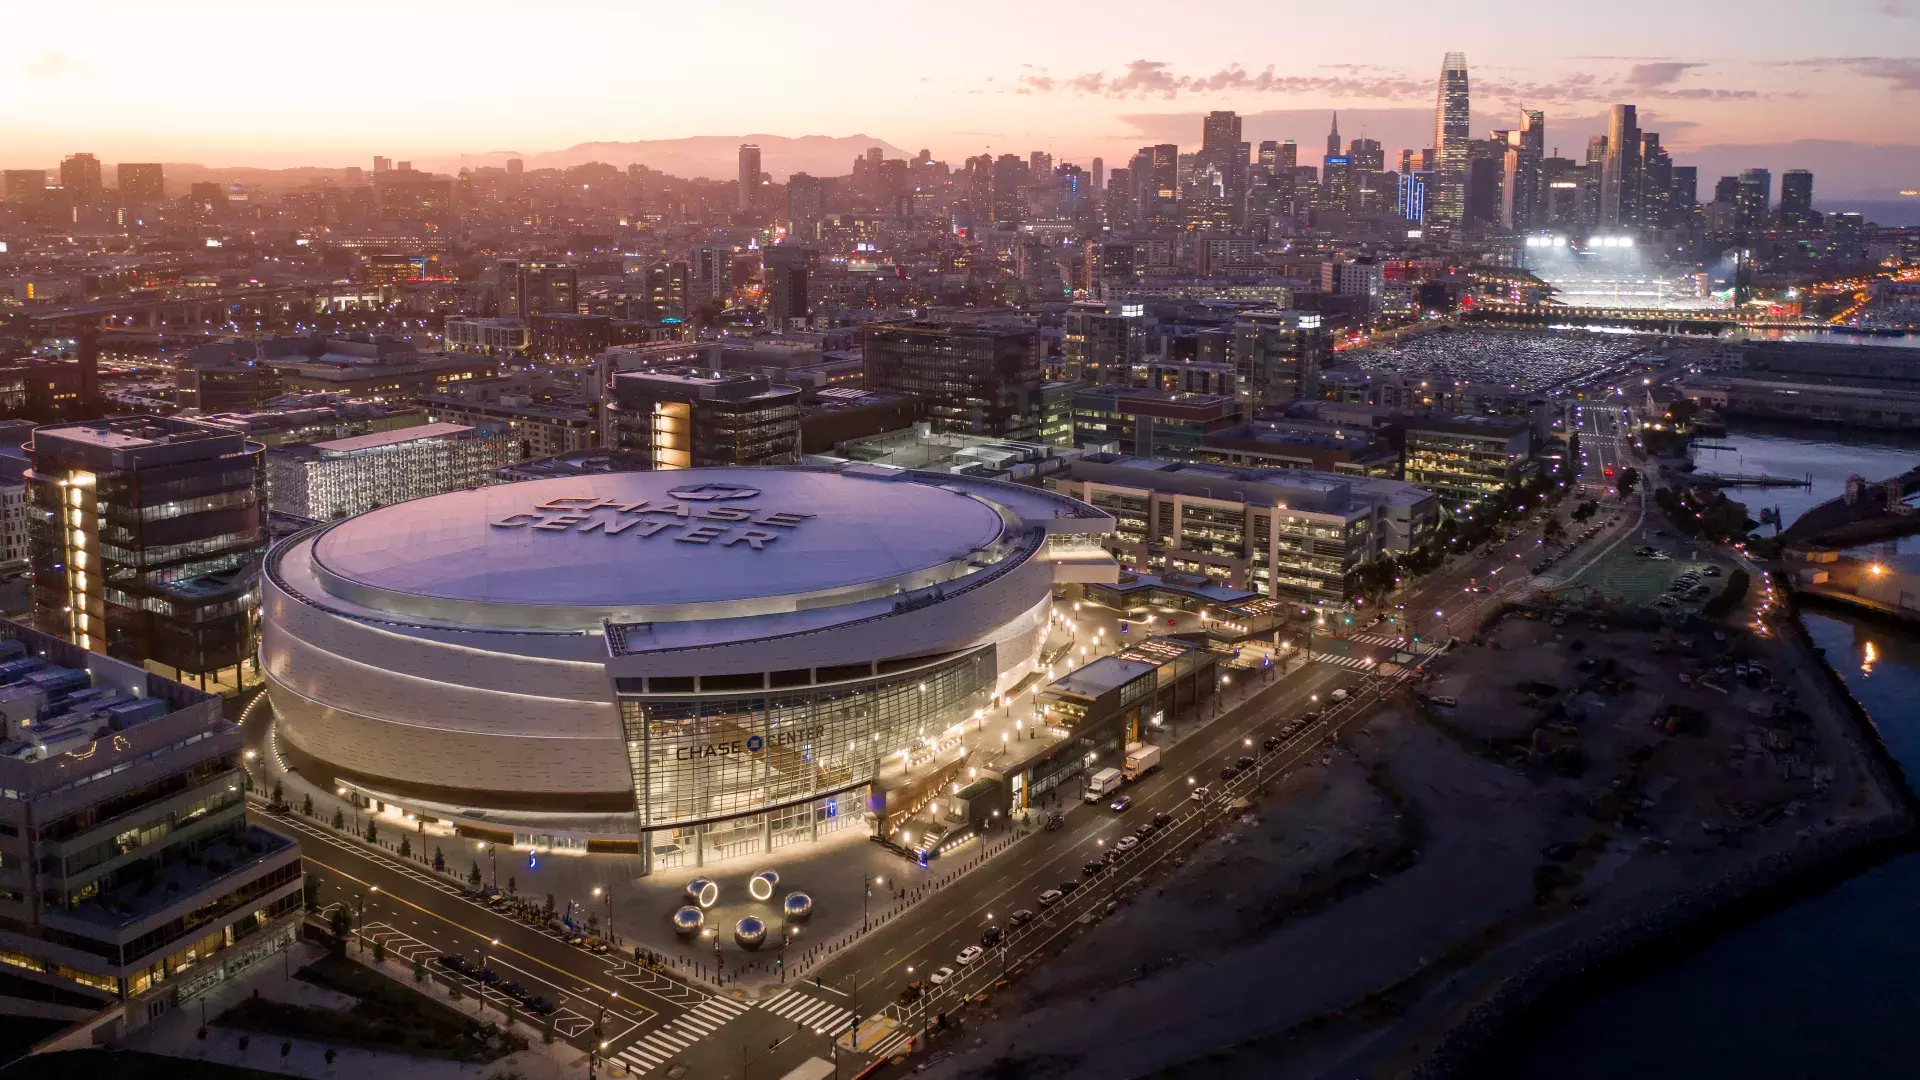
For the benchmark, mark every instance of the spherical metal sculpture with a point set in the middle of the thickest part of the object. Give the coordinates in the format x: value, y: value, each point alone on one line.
x: 798, y: 907
x: 688, y: 921
x: 703, y: 892
x: 761, y: 885
x: 750, y: 933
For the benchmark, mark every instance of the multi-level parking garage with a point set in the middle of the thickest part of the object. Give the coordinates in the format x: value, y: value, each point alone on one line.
x: 688, y: 664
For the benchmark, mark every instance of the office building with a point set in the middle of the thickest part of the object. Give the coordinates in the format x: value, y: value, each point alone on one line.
x: 141, y: 183
x: 1796, y: 199
x: 222, y: 378
x: 1102, y: 343
x: 23, y: 187
x: 1166, y: 424
x: 80, y: 179
x: 326, y: 481
x: 1467, y: 459
x: 806, y: 205
x: 145, y: 538
x: 545, y: 418
x: 690, y: 417
x: 507, y: 338
x: 538, y: 288
x: 1286, y: 534
x: 128, y: 872
x: 384, y: 368
x: 1277, y: 357
x: 976, y: 380
x: 1520, y: 179
x: 1620, y: 182
x: 1754, y: 203
x: 788, y: 269
x: 1446, y: 212
x: 749, y: 178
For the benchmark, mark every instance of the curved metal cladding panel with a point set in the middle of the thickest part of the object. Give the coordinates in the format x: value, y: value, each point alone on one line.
x: 970, y: 617
x: 525, y: 771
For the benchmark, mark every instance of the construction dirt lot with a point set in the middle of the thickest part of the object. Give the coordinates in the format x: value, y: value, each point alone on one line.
x: 1539, y: 780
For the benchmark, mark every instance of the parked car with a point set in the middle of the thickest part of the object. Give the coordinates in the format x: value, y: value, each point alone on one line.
x: 1162, y: 820
x: 455, y: 962
x: 1245, y: 762
x: 515, y: 991
x: 1051, y: 897
x: 911, y: 992
x: 1126, y: 844
x: 940, y: 976
x: 1020, y: 918
x: 1339, y: 695
x: 968, y: 955
x: 991, y: 936
x: 1271, y: 742
x: 1069, y: 885
x: 489, y: 976
x: 1092, y: 867
x: 1201, y: 794
x: 542, y: 1006
x: 1229, y: 772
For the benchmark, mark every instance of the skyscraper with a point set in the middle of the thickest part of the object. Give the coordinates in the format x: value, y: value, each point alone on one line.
x: 1520, y: 180
x: 1448, y: 208
x: 141, y: 183
x: 1756, y: 199
x: 80, y: 176
x: 1333, y: 137
x: 1097, y: 174
x: 1796, y: 199
x: 1620, y: 169
x: 749, y: 178
x: 1289, y: 155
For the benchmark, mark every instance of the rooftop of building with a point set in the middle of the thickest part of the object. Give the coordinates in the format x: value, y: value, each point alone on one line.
x: 376, y: 440
x: 1306, y: 490
x: 1102, y: 675
x: 920, y: 447
x: 577, y: 463
x: 1501, y: 426
x: 699, y: 382
x: 229, y: 858
x: 124, y: 442
x: 1195, y: 585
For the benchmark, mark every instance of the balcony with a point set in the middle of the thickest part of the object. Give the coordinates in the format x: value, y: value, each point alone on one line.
x: 188, y: 890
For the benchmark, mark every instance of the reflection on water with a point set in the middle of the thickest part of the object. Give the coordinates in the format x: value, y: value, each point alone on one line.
x: 1826, y: 988
x: 1780, y: 450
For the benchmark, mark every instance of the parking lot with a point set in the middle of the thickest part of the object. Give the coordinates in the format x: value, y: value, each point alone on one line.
x: 1630, y: 576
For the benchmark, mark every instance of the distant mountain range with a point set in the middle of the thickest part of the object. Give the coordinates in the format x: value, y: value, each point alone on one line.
x: 713, y: 156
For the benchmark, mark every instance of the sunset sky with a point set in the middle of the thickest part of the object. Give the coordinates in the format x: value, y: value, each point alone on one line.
x: 276, y: 84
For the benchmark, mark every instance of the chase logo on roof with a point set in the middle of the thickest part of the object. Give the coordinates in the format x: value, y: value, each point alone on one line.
x: 713, y: 492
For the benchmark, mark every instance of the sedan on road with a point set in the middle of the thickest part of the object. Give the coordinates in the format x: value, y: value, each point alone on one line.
x: 1126, y: 844
x: 1051, y: 897
x: 1201, y: 794
x: 1120, y: 804
x: 940, y: 976
x: 1020, y: 918
x: 1092, y: 867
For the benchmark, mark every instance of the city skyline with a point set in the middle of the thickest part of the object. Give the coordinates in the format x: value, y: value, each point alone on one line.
x: 1074, y: 90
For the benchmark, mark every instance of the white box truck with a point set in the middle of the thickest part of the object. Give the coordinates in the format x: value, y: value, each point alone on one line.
x: 1140, y: 758
x: 1103, y: 783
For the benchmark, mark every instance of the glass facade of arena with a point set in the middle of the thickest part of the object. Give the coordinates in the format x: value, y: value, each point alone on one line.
x: 708, y: 767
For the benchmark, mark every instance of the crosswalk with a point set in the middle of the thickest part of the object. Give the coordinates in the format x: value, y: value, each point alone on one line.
x: 656, y: 1048
x: 1394, y: 641
x: 893, y: 1044
x: 1351, y: 663
x: 823, y: 1016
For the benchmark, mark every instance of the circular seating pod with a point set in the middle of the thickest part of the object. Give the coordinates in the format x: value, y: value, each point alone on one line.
x: 750, y: 933
x: 688, y: 920
x: 703, y: 892
x: 797, y: 907
x: 761, y: 885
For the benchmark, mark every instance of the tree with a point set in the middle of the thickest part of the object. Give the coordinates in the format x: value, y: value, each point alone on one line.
x: 419, y: 969
x: 339, y: 819
x: 1554, y: 531
x: 373, y: 832
x: 310, y: 893
x: 475, y: 876
x: 306, y: 805
x: 379, y: 951
x: 406, y: 846
x: 513, y: 887
x: 341, y: 923
x: 439, y: 860
x: 1629, y: 476
x: 279, y: 794
x: 549, y: 905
